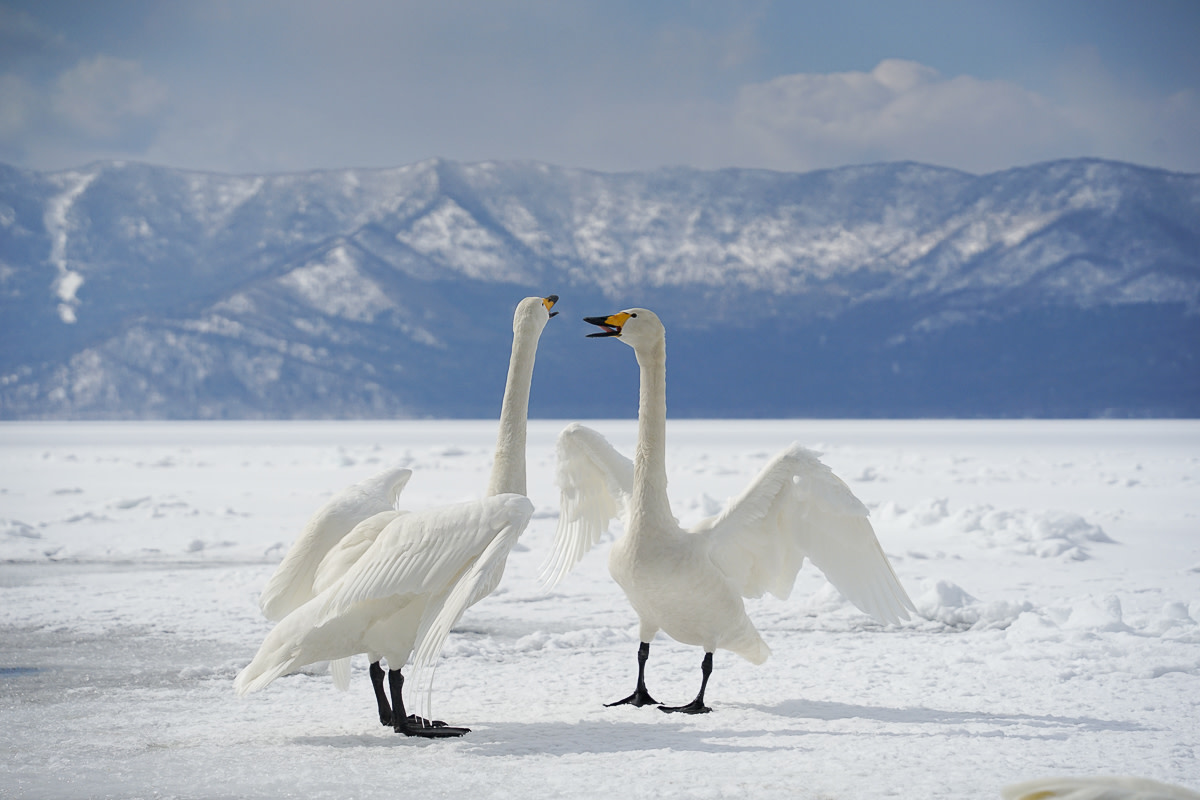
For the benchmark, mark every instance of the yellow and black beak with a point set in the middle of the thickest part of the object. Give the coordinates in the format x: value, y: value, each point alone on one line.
x: 549, y: 302
x: 611, y: 325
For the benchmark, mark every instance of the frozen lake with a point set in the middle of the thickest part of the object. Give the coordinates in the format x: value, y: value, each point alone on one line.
x: 1056, y: 566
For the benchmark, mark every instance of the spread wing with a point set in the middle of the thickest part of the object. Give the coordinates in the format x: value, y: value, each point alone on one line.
x: 291, y: 586
x: 595, y: 483
x: 797, y: 508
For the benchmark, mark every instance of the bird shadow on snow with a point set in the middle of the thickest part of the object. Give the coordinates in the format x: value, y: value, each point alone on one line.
x: 825, y: 710
x: 563, y: 738
x: 567, y: 738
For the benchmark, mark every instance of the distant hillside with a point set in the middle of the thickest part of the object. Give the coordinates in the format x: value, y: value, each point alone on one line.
x: 1069, y: 288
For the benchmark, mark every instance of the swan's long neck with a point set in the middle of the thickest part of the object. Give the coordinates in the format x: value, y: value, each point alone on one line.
x: 649, y: 502
x: 508, y: 466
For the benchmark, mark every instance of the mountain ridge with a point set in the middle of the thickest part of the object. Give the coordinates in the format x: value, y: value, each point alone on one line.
x: 131, y: 291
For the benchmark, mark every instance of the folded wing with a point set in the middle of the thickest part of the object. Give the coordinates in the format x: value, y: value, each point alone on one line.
x: 425, y: 552
x: 479, y: 580
x: 291, y: 585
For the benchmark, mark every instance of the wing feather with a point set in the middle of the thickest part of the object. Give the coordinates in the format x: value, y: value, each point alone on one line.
x: 291, y: 585
x: 419, y: 553
x: 480, y: 578
x: 349, y: 550
x: 595, y: 483
x: 795, y: 509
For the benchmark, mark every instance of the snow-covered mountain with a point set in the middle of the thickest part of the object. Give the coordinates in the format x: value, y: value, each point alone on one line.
x: 1069, y: 288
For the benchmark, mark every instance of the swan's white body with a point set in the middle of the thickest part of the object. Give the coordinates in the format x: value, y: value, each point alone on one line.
x: 397, y: 582
x: 690, y: 584
x: 418, y: 574
x: 1096, y: 788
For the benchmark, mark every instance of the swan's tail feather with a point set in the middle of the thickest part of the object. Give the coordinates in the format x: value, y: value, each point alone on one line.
x: 277, y: 656
x: 758, y: 654
x: 749, y: 645
x: 339, y: 669
x: 260, y: 672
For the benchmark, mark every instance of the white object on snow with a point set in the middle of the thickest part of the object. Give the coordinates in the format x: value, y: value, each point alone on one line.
x: 395, y: 585
x: 1096, y: 788
x: 690, y: 583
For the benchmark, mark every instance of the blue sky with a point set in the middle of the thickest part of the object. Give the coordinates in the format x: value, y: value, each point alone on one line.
x: 290, y: 85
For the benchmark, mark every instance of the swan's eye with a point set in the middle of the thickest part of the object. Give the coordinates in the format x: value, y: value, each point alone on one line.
x: 632, y: 316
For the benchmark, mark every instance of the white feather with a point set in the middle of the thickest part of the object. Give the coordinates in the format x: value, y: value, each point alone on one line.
x: 478, y: 581
x: 797, y: 508
x: 384, y: 582
x: 291, y: 585
x: 396, y: 590
x: 595, y: 482
x: 350, y: 549
x: 690, y: 584
x: 339, y: 670
x: 1096, y: 788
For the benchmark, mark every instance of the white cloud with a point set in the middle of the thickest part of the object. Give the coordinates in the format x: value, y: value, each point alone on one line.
x: 283, y: 85
x: 1123, y: 116
x: 102, y: 96
x: 901, y: 110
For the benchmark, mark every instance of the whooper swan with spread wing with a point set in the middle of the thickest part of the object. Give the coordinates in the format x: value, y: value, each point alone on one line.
x: 691, y: 584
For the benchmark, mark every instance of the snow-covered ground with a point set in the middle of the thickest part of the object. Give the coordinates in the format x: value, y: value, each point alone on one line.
x: 1056, y: 566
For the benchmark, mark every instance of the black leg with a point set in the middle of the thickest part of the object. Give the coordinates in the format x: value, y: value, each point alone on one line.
x: 640, y: 696
x: 385, y: 710
x: 412, y: 725
x: 696, y: 706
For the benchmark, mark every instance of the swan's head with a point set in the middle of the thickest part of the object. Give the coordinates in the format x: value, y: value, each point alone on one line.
x: 535, y: 311
x: 636, y: 327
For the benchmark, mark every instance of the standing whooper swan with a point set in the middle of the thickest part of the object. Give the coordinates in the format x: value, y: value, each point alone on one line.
x: 324, y: 548
x: 690, y: 584
x: 397, y: 582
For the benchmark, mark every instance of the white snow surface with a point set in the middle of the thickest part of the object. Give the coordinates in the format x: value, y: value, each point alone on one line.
x: 1056, y: 567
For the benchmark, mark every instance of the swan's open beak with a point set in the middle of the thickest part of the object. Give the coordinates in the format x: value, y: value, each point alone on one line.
x: 611, y: 325
x: 549, y: 302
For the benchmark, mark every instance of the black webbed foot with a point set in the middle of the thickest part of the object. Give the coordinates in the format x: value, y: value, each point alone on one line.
x: 694, y: 707
x: 413, y: 719
x: 435, y: 731
x: 639, y: 698
x: 411, y: 724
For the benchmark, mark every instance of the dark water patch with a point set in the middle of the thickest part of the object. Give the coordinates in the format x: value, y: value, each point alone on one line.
x: 18, y: 672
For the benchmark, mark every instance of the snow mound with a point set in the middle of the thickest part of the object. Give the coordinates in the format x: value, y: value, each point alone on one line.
x: 1041, y: 533
x: 18, y: 530
x: 1046, y: 534
x: 948, y: 603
